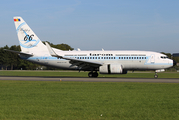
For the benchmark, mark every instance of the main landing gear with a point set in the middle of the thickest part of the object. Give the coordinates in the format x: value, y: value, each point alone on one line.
x: 155, y: 76
x: 93, y: 74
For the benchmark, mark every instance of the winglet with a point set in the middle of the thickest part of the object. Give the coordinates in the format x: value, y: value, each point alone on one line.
x: 51, y: 51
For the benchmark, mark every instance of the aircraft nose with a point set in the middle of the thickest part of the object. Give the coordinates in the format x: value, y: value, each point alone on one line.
x: 174, y: 62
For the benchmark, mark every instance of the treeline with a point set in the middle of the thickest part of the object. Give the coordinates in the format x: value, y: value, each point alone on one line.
x: 11, y: 61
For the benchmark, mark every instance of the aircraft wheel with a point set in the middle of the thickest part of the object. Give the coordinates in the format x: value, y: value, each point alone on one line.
x: 155, y: 76
x: 90, y: 74
x: 95, y: 74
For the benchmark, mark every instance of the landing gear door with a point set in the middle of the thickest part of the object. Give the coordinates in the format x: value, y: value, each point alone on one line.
x: 152, y: 59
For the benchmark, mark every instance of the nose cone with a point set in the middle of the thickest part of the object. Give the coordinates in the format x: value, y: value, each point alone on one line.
x: 174, y: 62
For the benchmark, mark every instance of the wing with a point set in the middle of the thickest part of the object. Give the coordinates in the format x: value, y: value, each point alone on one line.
x: 82, y: 64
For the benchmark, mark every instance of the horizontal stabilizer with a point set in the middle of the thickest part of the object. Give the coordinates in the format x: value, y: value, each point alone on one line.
x: 19, y: 52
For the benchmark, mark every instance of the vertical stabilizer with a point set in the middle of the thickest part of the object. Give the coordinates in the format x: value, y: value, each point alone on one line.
x: 29, y: 42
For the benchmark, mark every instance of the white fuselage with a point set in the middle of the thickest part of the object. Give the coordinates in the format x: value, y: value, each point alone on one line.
x: 130, y: 60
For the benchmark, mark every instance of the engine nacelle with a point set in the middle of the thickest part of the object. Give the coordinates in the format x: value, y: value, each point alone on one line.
x: 112, y: 69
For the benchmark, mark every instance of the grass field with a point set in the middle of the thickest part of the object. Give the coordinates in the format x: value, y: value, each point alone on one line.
x: 88, y: 100
x: 85, y: 74
x: 52, y: 100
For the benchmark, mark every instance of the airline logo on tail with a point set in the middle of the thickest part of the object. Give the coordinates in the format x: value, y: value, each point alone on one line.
x: 27, y: 38
x: 16, y: 20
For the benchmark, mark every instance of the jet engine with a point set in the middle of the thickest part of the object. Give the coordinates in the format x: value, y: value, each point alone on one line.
x: 112, y: 69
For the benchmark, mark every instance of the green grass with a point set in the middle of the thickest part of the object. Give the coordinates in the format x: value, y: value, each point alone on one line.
x: 88, y: 100
x: 85, y: 74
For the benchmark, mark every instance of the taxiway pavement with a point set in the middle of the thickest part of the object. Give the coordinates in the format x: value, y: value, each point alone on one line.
x: 150, y: 80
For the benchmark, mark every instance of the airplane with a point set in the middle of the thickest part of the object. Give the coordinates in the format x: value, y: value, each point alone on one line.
x: 104, y: 62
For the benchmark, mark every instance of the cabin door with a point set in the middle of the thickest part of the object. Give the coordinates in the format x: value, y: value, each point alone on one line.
x: 152, y: 59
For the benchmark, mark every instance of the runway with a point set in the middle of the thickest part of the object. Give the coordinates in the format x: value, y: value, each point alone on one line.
x: 149, y: 80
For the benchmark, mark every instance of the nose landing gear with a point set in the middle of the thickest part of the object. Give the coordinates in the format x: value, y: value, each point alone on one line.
x: 155, y: 76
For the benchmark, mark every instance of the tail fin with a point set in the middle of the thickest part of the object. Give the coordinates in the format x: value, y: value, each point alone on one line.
x: 29, y: 42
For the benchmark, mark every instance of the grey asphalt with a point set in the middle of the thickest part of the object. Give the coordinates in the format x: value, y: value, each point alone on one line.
x: 159, y: 80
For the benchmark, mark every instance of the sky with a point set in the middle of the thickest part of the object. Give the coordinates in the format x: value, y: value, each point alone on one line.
x: 150, y: 25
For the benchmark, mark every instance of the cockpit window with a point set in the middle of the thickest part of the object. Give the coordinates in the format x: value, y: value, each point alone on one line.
x: 164, y: 57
